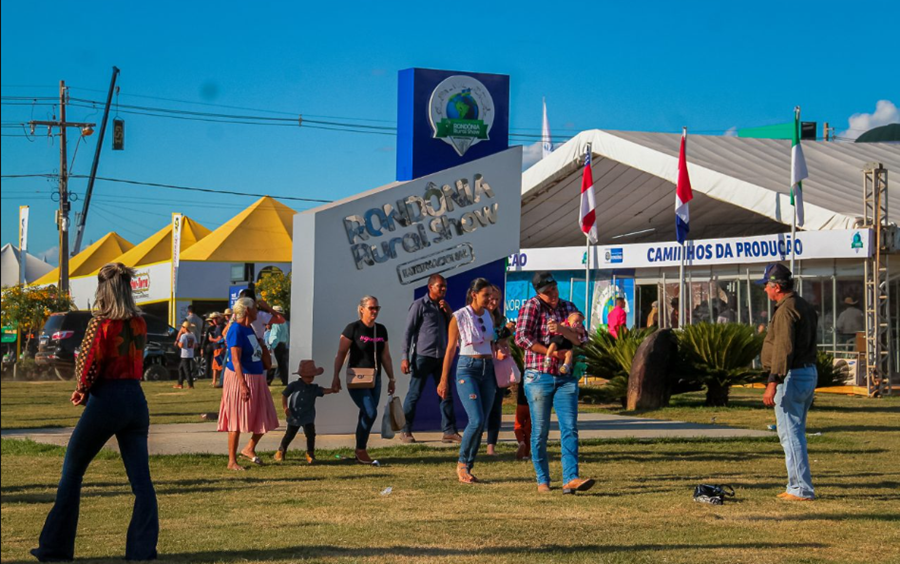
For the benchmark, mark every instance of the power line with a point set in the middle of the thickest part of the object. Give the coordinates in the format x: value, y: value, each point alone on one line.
x: 172, y: 187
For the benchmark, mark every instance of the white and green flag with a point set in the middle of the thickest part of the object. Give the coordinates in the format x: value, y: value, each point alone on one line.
x: 798, y: 169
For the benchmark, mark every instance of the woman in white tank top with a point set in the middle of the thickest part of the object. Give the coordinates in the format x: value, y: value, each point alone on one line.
x: 472, y: 329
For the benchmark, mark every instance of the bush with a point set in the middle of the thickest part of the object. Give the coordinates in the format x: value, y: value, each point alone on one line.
x: 720, y: 355
x: 828, y: 374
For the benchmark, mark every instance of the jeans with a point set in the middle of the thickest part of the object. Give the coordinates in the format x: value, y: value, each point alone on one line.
x: 114, y: 408
x: 495, y: 417
x: 422, y: 368
x: 186, y: 371
x: 476, y: 386
x: 792, y: 401
x: 309, y: 430
x: 561, y: 393
x: 366, y: 399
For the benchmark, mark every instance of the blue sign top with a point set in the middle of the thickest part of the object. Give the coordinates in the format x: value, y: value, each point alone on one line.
x: 447, y: 118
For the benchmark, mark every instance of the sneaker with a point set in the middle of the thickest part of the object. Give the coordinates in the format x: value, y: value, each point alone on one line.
x: 310, y: 458
x: 279, y: 456
x: 454, y: 438
x: 578, y: 485
x: 543, y: 488
x: 177, y: 387
x: 407, y: 438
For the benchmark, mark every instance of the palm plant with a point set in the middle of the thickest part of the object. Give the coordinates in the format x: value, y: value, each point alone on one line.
x: 720, y: 355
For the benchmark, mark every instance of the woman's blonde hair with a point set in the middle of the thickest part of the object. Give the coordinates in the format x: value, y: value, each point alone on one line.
x: 241, y: 307
x: 114, y: 299
x: 363, y: 302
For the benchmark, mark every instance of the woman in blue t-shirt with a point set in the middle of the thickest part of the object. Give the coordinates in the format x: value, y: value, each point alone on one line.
x: 246, y: 401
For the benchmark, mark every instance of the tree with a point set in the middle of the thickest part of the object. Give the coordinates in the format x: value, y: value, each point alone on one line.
x: 29, y: 307
x: 275, y: 289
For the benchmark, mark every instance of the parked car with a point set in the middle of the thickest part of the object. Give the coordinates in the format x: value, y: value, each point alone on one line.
x: 61, y: 337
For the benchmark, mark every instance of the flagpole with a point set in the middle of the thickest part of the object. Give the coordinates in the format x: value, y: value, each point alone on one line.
x: 587, y: 281
x: 794, y: 197
x: 681, y: 290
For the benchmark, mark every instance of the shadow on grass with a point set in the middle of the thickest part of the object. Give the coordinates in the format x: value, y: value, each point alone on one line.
x: 835, y: 517
x: 299, y: 553
x: 19, y: 494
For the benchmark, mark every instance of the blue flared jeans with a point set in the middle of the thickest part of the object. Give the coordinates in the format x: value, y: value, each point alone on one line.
x: 476, y: 386
x: 792, y: 401
x: 545, y: 391
x: 115, y: 408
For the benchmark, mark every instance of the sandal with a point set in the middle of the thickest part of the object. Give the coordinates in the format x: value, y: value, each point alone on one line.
x: 465, y: 477
x: 254, y: 459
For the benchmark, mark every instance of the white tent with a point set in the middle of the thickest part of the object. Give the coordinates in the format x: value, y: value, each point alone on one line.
x: 34, y: 267
x: 740, y: 186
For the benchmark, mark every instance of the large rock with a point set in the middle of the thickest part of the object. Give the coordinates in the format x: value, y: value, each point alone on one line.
x: 649, y: 382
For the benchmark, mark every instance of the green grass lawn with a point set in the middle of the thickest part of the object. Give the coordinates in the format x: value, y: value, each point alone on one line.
x: 640, y: 511
x: 46, y: 404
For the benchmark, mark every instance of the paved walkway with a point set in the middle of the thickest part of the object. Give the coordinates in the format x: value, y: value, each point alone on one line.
x: 183, y: 438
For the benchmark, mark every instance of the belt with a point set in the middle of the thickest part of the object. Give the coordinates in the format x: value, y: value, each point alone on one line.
x: 479, y: 356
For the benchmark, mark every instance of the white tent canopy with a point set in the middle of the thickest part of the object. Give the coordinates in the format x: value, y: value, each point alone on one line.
x: 740, y: 186
x: 34, y: 267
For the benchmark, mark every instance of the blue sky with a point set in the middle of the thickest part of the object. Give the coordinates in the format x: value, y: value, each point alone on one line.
x: 649, y: 66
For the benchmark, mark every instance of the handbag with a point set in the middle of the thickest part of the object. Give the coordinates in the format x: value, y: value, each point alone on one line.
x: 363, y: 378
x: 387, y: 427
x: 505, y: 371
x: 398, y: 418
x: 713, y: 495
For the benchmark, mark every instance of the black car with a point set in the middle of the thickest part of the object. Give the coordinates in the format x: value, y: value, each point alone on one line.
x: 62, y: 334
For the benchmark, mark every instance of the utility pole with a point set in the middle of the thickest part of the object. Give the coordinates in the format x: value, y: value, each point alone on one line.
x: 62, y: 216
x: 82, y: 219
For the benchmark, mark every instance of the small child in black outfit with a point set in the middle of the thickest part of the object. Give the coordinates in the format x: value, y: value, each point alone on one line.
x: 299, y: 403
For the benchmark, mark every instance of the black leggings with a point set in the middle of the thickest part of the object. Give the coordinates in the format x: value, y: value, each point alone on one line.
x: 309, y: 430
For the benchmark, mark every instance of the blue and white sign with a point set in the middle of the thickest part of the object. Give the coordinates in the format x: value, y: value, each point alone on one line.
x: 808, y: 245
x: 447, y: 118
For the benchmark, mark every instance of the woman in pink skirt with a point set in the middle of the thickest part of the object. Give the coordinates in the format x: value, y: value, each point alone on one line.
x: 246, y: 402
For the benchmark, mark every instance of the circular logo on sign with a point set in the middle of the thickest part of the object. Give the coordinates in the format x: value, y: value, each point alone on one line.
x: 461, y: 111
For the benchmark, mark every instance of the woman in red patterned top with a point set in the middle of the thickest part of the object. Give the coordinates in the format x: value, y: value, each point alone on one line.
x: 108, y: 372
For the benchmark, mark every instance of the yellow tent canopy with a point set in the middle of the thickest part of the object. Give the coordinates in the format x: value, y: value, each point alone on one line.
x: 263, y: 231
x: 91, y: 259
x: 158, y: 247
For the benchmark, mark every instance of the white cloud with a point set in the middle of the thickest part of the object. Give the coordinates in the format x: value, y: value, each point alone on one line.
x: 51, y: 255
x: 731, y: 132
x: 531, y: 154
x: 885, y: 112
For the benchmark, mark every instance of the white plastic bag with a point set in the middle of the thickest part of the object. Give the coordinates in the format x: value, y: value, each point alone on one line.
x: 387, y: 431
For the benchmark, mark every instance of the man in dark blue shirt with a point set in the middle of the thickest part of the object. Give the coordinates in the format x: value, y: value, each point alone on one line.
x: 424, y: 345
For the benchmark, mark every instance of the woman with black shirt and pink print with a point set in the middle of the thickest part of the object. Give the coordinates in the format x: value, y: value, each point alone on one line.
x: 365, y: 341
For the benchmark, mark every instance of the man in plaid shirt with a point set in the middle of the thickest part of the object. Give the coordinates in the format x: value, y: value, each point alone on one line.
x: 540, y: 319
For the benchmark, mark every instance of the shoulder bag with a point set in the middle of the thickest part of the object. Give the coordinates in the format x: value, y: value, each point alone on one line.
x: 364, y: 378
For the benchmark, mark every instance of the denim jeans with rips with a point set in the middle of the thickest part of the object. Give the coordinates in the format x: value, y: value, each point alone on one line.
x: 476, y: 385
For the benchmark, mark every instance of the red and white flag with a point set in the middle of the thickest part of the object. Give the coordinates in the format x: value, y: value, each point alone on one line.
x: 588, y: 208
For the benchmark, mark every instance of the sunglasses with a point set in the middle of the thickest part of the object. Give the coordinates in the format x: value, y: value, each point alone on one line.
x: 481, y: 323
x: 374, y: 308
